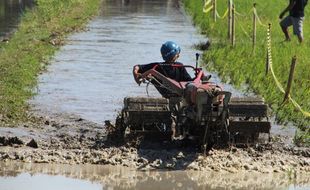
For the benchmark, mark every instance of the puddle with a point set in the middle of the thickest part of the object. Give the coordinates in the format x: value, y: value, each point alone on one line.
x: 14, y: 175
x: 92, y: 74
x: 40, y: 181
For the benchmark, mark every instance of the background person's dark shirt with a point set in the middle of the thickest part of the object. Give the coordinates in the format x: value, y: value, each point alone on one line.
x: 298, y: 8
x: 176, y: 73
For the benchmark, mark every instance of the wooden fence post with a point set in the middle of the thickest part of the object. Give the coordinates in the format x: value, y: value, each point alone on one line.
x: 290, y: 79
x: 233, y: 27
x: 229, y: 19
x: 214, y: 10
x: 254, y: 27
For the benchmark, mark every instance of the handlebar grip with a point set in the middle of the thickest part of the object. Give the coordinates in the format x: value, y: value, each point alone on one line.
x: 142, y: 80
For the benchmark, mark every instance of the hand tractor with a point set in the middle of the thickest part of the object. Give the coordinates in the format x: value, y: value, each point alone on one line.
x: 197, y: 110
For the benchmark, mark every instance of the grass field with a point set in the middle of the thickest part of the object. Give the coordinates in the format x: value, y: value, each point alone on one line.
x: 239, y: 65
x: 40, y: 33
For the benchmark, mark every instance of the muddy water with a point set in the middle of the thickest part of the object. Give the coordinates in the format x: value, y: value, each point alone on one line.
x: 91, y: 75
x: 10, y: 12
x: 43, y: 176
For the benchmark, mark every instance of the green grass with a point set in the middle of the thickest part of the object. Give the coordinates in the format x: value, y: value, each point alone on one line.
x: 240, y: 66
x: 41, y: 31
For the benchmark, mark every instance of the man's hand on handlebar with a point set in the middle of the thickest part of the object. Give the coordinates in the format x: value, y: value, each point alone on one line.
x: 140, y: 78
x: 137, y: 76
x: 143, y: 79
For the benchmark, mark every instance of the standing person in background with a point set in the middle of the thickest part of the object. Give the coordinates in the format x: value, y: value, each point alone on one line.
x: 295, y: 18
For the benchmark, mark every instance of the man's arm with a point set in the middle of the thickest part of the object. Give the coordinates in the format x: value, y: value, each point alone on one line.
x: 288, y: 8
x: 138, y: 70
x: 136, y: 74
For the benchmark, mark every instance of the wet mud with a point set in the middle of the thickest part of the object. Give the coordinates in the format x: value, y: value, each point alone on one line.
x: 68, y: 139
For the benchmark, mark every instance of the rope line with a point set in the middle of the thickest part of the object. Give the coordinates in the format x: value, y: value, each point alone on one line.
x: 269, y: 59
x: 207, y: 2
x: 224, y: 15
x: 258, y: 19
x: 239, y: 14
x: 205, y: 9
x: 307, y: 114
x: 208, y: 9
x: 243, y: 29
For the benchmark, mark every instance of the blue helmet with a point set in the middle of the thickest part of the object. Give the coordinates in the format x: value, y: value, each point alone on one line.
x: 169, y: 50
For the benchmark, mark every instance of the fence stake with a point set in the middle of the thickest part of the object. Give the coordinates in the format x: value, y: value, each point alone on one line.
x: 233, y: 30
x: 267, y: 63
x: 214, y: 10
x: 229, y: 19
x: 254, y: 27
x: 268, y: 55
x: 290, y: 79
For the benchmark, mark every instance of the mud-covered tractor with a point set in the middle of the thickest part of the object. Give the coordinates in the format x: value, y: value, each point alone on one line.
x: 197, y: 110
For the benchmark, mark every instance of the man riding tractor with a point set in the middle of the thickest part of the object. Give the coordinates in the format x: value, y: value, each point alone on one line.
x: 170, y: 68
x: 170, y: 52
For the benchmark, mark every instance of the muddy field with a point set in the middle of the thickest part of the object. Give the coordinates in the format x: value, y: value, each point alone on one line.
x: 72, y: 140
x: 69, y: 139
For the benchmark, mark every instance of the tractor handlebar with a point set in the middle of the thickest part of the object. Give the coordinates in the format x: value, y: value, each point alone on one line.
x: 147, y: 75
x: 177, y: 65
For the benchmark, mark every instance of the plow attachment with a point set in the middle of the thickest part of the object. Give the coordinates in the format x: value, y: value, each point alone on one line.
x: 146, y: 114
x: 247, y: 118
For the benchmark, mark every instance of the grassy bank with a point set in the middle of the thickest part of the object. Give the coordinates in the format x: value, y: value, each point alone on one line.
x: 240, y: 66
x: 40, y: 33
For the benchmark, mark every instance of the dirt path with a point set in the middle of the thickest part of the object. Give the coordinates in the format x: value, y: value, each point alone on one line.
x: 72, y: 140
